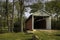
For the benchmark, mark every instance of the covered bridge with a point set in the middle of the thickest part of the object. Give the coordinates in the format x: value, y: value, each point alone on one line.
x: 38, y: 20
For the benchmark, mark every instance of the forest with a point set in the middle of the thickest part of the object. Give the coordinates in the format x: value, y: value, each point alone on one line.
x: 12, y: 14
x: 15, y: 14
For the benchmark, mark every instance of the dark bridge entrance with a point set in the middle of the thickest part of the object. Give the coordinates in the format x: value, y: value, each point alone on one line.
x: 39, y: 22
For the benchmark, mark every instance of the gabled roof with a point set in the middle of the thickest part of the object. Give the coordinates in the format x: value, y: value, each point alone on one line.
x: 41, y: 13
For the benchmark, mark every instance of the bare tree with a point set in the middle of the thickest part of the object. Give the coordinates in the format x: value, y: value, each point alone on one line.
x: 21, y: 3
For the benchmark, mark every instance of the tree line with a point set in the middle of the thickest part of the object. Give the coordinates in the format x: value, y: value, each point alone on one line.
x: 9, y: 20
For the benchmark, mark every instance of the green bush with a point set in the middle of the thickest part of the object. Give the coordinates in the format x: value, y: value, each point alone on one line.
x: 17, y: 27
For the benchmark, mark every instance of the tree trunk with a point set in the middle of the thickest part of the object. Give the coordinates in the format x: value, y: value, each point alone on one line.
x: 11, y: 28
x: 21, y: 13
x: 7, y: 16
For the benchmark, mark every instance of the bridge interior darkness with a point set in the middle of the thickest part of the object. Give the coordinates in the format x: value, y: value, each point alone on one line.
x: 39, y: 22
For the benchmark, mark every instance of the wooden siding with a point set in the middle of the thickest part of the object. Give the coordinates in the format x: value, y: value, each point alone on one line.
x: 29, y: 24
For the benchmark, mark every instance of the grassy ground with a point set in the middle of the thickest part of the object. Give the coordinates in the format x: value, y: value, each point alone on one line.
x: 48, y: 35
x: 15, y: 36
x: 42, y: 35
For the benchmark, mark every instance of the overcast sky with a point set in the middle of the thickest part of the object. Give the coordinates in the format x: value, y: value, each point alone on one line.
x: 27, y: 14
